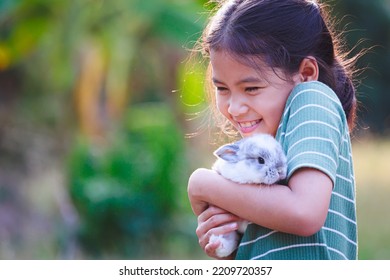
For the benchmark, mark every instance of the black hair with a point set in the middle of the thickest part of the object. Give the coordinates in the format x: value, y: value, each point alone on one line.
x: 282, y: 33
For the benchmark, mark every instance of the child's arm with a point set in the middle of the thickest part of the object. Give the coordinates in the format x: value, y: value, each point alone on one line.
x: 299, y: 208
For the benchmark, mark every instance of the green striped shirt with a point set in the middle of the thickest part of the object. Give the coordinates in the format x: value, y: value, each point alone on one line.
x: 314, y: 133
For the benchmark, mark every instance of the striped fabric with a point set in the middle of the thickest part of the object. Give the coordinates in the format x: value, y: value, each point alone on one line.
x: 314, y: 133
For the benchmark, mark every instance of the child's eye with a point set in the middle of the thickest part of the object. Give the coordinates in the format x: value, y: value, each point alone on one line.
x: 221, y: 90
x: 252, y: 89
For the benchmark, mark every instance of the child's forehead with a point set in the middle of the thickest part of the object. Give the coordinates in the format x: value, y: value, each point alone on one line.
x: 248, y: 60
x: 227, y: 61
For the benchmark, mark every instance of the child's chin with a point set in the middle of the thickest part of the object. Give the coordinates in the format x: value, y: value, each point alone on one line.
x: 249, y: 134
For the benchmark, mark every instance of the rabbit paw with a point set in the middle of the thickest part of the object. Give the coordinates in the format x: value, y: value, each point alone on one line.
x: 228, y: 243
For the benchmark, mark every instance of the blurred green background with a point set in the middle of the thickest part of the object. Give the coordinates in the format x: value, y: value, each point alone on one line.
x: 96, y: 104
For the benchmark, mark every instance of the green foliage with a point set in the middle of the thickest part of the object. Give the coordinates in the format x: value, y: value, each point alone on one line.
x: 128, y: 191
x: 367, y: 25
x: 192, y: 89
x: 46, y: 40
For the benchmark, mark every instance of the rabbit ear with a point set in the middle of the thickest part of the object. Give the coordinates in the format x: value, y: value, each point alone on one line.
x: 228, y: 152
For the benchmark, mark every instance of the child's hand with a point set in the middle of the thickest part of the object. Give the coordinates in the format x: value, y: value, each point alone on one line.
x: 215, y: 221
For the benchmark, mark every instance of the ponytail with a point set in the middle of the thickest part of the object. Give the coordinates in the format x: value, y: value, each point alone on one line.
x: 338, y: 78
x: 346, y: 92
x: 335, y: 69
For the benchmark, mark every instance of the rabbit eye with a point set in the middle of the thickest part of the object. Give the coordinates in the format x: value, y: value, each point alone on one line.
x: 261, y: 160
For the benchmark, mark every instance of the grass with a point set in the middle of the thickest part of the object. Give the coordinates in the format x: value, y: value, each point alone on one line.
x: 372, y: 173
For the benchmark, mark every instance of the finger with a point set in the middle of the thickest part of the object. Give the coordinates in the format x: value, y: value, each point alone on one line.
x: 209, y: 212
x: 224, y: 229
x: 210, y: 249
x: 215, y: 211
x: 214, y: 222
x: 204, y: 238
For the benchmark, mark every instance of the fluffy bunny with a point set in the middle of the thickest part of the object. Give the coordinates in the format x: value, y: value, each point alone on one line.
x: 253, y: 160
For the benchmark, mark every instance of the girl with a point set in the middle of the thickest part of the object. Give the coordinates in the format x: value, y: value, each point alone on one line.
x: 277, y: 69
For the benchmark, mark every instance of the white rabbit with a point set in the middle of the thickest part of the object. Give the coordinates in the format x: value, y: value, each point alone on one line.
x: 258, y: 159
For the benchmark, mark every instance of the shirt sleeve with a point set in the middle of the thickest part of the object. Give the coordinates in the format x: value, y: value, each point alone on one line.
x: 314, y: 130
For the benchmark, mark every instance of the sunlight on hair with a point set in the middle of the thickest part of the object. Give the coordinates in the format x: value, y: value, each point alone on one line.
x: 314, y: 2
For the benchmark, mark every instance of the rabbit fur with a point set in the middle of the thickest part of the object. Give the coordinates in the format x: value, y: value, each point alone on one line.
x: 258, y: 159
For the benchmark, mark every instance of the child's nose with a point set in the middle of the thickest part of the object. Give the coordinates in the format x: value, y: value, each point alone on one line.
x: 237, y: 106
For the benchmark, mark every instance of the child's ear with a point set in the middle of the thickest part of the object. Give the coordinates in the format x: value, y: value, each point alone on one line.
x: 308, y: 70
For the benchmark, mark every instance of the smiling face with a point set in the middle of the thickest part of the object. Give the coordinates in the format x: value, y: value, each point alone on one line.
x: 251, y: 100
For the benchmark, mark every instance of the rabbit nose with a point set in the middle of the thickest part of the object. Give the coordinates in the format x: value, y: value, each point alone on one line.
x: 272, y: 173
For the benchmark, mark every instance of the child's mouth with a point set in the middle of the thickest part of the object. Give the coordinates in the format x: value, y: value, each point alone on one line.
x: 248, y: 127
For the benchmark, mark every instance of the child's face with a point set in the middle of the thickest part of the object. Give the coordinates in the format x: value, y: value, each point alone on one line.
x: 252, y: 101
